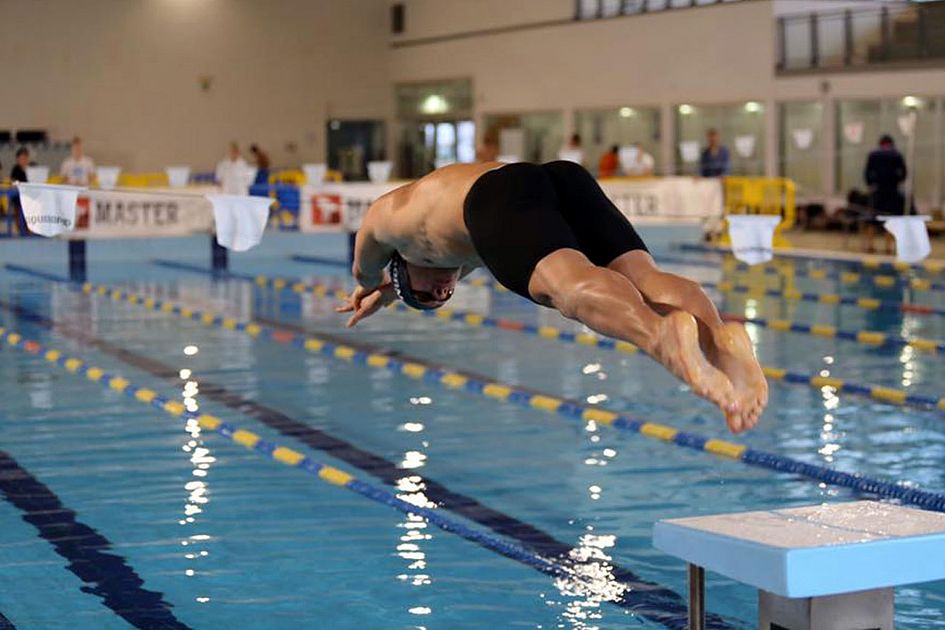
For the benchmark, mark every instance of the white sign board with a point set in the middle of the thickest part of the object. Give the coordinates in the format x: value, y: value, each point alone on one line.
x: 669, y: 198
x: 342, y: 206
x: 339, y: 206
x: 129, y: 215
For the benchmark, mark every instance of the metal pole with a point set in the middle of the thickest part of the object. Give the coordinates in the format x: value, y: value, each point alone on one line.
x: 77, y: 265
x: 219, y: 261
x: 814, y: 42
x: 847, y: 37
x: 910, y: 163
x: 884, y: 31
x: 696, y: 597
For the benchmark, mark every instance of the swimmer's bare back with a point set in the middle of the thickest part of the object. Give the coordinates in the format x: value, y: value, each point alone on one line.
x: 423, y: 221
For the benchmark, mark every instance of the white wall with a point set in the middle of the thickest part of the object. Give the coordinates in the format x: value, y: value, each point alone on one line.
x: 124, y: 74
x: 722, y: 53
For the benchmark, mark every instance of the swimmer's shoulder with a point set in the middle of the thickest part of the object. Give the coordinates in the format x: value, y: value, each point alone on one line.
x: 453, y: 180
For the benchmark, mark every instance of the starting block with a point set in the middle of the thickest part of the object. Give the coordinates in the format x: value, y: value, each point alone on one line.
x: 823, y: 567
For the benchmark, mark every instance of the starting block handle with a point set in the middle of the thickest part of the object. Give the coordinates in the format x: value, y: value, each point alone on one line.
x: 696, y: 597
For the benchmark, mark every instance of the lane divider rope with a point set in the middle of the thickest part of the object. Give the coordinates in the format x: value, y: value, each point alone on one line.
x: 843, y: 277
x: 281, y: 454
x: 729, y: 287
x: 863, y: 303
x: 817, y: 381
x: 931, y: 266
x: 550, y: 403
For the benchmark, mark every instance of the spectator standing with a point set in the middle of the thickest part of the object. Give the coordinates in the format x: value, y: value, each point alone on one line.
x: 639, y: 163
x: 884, y: 174
x: 78, y: 169
x: 233, y: 173
x: 714, y: 161
x: 262, y: 164
x: 609, y: 163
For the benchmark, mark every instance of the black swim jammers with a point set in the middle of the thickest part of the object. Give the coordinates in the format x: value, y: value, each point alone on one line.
x: 519, y: 213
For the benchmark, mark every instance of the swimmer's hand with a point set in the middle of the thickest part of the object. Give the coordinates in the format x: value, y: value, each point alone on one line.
x: 365, y: 302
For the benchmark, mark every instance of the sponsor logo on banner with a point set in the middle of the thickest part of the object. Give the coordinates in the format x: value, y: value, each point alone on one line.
x: 355, y: 209
x: 115, y: 213
x: 82, y: 213
x: 326, y: 209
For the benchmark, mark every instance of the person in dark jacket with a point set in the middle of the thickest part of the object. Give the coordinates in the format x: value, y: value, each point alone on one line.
x: 18, y: 174
x: 714, y: 161
x: 884, y: 173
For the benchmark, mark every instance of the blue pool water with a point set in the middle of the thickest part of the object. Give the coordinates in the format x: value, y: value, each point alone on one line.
x: 200, y: 532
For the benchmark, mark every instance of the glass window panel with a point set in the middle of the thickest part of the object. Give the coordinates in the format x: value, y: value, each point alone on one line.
x: 802, y: 146
x: 889, y: 116
x: 611, y: 8
x: 466, y: 141
x: 602, y: 129
x: 740, y: 126
x: 797, y: 43
x: 587, y: 9
x: 436, y: 99
x: 830, y: 39
x: 542, y: 133
x: 445, y: 144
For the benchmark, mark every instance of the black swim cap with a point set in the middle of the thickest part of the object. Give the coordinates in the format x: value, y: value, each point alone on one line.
x: 397, y: 268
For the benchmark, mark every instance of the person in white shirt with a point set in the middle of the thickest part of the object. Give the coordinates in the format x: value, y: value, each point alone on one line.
x: 233, y: 173
x: 636, y: 162
x: 78, y: 169
x: 573, y: 151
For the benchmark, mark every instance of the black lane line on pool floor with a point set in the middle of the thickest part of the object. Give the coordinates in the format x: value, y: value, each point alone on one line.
x: 109, y: 574
x: 648, y: 599
x: 6, y: 624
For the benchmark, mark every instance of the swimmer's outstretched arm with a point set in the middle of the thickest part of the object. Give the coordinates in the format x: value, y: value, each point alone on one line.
x: 371, y: 255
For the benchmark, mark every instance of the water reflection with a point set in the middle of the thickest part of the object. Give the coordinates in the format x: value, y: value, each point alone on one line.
x: 411, y: 489
x: 591, y: 582
x: 197, y: 489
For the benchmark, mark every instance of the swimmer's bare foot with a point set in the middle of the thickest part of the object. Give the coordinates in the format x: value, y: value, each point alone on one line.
x: 730, y: 351
x: 677, y: 348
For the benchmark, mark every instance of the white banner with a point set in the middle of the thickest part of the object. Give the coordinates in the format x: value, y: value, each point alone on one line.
x: 123, y: 214
x: 666, y: 197
x: 342, y: 206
